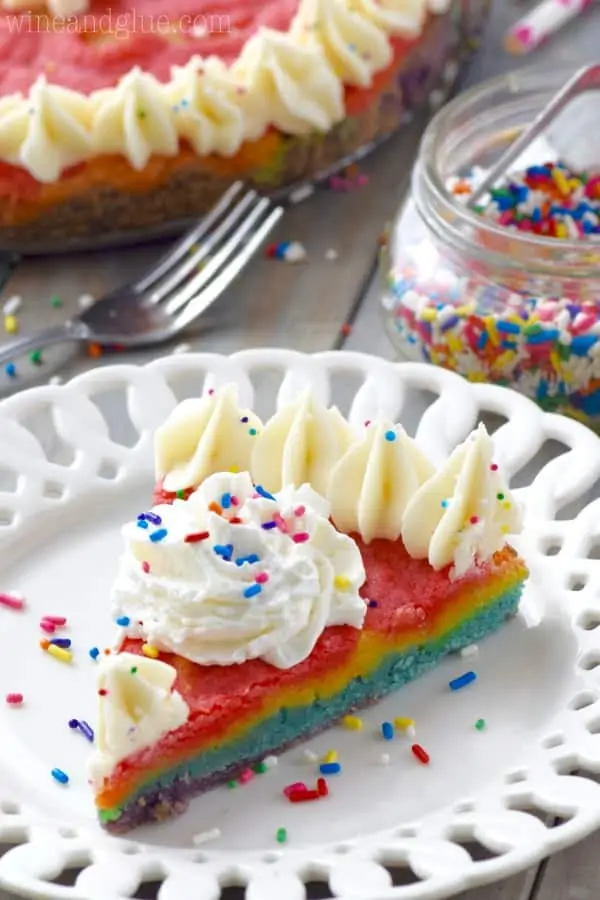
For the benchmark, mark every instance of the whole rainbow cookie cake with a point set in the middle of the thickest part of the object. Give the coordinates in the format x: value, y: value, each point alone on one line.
x: 288, y: 575
x: 119, y: 116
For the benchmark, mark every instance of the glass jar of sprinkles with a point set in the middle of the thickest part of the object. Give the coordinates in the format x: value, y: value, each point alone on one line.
x: 509, y: 292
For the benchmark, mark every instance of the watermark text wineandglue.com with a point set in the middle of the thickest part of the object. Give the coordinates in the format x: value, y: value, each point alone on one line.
x: 120, y: 25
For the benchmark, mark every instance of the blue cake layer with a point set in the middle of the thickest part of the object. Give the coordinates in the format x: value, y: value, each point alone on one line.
x: 169, y: 794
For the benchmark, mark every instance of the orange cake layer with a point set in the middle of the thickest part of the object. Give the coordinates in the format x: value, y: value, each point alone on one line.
x: 409, y: 605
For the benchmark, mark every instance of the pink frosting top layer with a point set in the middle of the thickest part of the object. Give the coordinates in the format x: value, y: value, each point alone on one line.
x: 80, y: 54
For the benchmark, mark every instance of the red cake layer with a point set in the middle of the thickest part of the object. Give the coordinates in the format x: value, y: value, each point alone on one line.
x: 101, y: 45
x: 414, y: 605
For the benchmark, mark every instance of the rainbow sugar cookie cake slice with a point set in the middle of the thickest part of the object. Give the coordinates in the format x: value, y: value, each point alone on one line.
x: 254, y: 614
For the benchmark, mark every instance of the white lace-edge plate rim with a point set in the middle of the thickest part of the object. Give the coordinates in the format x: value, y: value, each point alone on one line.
x: 506, y: 818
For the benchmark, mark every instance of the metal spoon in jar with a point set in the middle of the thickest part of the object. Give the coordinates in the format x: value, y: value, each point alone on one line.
x: 578, y: 145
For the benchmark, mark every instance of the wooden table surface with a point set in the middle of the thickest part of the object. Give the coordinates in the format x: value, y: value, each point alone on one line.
x: 305, y: 307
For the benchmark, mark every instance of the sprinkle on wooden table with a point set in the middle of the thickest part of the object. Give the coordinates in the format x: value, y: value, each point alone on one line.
x: 85, y: 301
x: 295, y: 252
x: 12, y: 305
x: 11, y: 324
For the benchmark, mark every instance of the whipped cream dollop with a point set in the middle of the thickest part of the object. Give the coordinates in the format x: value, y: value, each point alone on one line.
x: 137, y: 704
x: 203, y: 96
x: 300, y: 443
x: 234, y: 573
x: 371, y: 485
x: 134, y: 119
x: 285, y: 84
x: 46, y: 133
x: 462, y: 514
x: 402, y: 17
x: 354, y: 47
x: 203, y: 436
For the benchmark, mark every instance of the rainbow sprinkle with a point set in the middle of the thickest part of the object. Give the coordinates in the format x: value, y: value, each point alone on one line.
x: 10, y: 601
x: 420, y: 754
x: 58, y: 653
x: 387, y: 731
x: 462, y: 681
x: 60, y: 776
x: 352, y: 723
x: 330, y: 768
x: 14, y: 699
x: 492, y: 324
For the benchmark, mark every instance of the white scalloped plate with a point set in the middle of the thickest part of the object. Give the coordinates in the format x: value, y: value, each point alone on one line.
x: 490, y: 803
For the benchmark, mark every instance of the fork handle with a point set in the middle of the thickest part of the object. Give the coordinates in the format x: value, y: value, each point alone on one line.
x: 68, y: 331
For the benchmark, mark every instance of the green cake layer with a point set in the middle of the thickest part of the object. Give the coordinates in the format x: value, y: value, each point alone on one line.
x: 160, y: 798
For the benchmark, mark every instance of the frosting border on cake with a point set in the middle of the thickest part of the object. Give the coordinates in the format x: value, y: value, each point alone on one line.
x: 293, y: 81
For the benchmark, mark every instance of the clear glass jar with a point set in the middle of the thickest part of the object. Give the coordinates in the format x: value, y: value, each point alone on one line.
x: 492, y: 303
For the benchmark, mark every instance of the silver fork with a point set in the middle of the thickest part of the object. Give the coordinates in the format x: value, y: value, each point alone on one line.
x: 167, y: 299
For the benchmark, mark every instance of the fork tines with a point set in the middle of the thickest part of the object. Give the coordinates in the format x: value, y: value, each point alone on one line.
x: 208, y: 258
